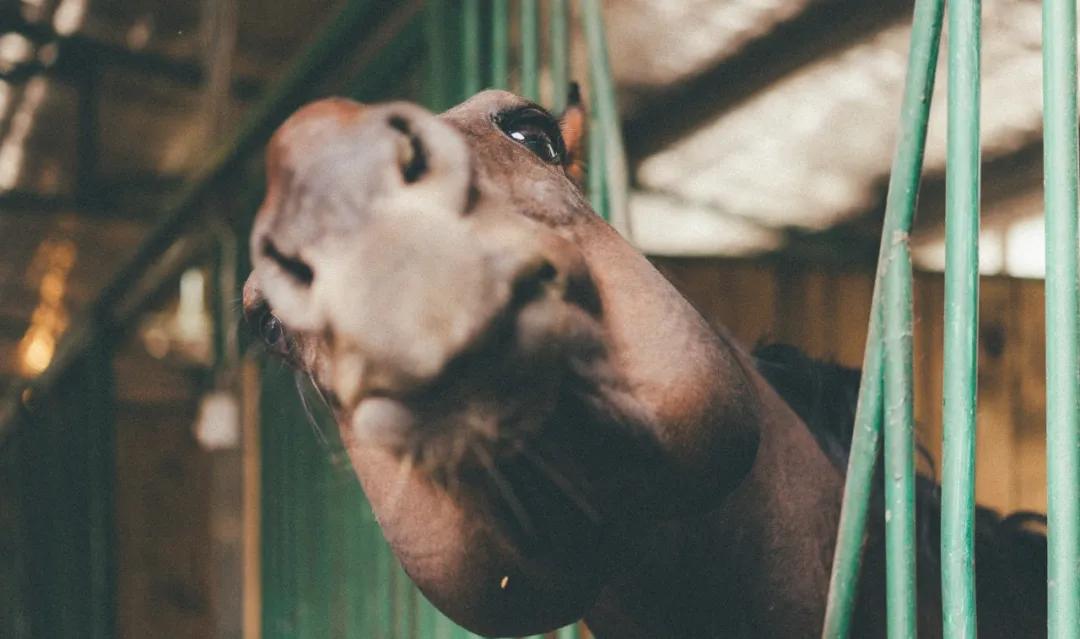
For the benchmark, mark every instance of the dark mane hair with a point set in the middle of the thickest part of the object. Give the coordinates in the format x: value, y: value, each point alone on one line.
x: 824, y: 395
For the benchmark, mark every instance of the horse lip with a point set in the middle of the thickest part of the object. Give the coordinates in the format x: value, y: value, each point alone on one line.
x: 355, y: 378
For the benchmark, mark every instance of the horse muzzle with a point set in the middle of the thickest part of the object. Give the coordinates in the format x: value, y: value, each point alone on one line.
x: 375, y: 240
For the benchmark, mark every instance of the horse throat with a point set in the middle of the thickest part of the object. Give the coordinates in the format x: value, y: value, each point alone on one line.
x: 756, y: 564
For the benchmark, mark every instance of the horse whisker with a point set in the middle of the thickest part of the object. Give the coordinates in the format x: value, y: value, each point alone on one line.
x: 504, y: 488
x: 298, y: 378
x: 563, y: 484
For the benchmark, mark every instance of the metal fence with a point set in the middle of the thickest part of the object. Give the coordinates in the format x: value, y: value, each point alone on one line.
x: 57, y: 445
x: 885, y: 399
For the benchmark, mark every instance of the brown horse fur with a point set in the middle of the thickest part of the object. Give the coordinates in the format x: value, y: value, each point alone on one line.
x: 545, y: 428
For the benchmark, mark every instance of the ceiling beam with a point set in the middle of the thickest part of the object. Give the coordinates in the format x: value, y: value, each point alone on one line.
x: 826, y: 27
x: 1008, y: 180
x: 75, y: 52
x: 122, y: 198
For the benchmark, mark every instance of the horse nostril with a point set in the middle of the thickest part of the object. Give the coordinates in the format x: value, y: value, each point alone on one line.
x: 412, y: 156
x: 294, y: 266
x: 531, y: 281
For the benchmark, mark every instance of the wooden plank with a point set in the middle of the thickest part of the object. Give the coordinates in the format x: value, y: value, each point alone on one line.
x: 1027, y: 370
x: 994, y: 461
x: 753, y: 301
x: 163, y: 527
x: 850, y: 295
x: 803, y: 308
x: 929, y: 340
x: 252, y: 514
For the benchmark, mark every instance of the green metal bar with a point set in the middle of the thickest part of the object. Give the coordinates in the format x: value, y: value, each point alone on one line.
x: 595, y: 168
x: 470, y: 39
x: 899, y: 444
x: 530, y: 49
x: 1062, y: 311
x: 604, y: 103
x: 961, y: 323
x: 387, y: 68
x: 500, y: 44
x: 558, y: 54
x: 899, y: 213
x: 439, y: 91
x: 97, y: 375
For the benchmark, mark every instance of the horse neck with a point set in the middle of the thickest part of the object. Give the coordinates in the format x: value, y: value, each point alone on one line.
x: 757, y: 565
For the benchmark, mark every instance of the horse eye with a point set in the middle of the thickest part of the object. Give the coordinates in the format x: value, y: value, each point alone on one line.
x: 536, y: 132
x: 272, y: 332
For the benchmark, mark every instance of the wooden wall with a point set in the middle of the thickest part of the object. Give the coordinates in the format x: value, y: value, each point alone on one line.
x: 825, y: 313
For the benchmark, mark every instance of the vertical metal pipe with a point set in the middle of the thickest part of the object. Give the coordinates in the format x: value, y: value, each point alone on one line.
x: 604, y: 106
x: 558, y: 54
x: 530, y: 49
x: 961, y: 323
x: 439, y: 91
x: 100, y: 454
x: 899, y: 444
x: 595, y: 166
x: 899, y: 212
x: 1062, y: 311
x: 500, y: 44
x: 470, y: 39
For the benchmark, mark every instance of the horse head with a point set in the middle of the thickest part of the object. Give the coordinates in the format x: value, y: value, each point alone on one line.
x: 522, y: 395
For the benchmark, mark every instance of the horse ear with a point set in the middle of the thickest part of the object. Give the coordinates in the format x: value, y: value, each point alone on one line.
x: 573, y: 124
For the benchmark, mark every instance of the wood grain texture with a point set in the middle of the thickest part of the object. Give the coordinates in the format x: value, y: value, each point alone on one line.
x: 825, y: 314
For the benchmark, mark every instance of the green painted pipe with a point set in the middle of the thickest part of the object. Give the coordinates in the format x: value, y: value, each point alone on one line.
x: 899, y: 444
x: 899, y: 213
x: 440, y: 93
x: 605, y: 106
x: 472, y: 73
x: 530, y: 49
x: 500, y: 44
x: 1062, y: 311
x: 558, y: 54
x: 597, y: 184
x: 961, y: 323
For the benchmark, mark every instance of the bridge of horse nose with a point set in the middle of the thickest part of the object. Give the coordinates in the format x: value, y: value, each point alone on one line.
x: 339, y: 172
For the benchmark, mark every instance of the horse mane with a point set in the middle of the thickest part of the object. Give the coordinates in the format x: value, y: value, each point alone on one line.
x: 825, y: 394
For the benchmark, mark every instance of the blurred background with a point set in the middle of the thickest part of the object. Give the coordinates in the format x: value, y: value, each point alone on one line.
x: 758, y: 136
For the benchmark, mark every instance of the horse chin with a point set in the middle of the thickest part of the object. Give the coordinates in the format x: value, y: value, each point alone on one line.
x: 526, y: 555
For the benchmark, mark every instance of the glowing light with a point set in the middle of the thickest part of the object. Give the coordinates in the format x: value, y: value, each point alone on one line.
x: 191, y: 318
x: 69, y: 16
x: 15, y: 49
x: 11, y: 151
x: 49, y: 319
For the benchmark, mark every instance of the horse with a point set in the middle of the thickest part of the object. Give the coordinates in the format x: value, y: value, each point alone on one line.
x: 545, y: 428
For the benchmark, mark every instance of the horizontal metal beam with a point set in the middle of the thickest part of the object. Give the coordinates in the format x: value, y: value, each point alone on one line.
x: 121, y: 199
x: 826, y: 27
x: 75, y: 52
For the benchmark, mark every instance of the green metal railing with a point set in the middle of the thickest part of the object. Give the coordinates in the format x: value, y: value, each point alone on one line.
x: 1062, y: 313
x: 866, y: 438
x: 961, y: 323
x: 885, y: 394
